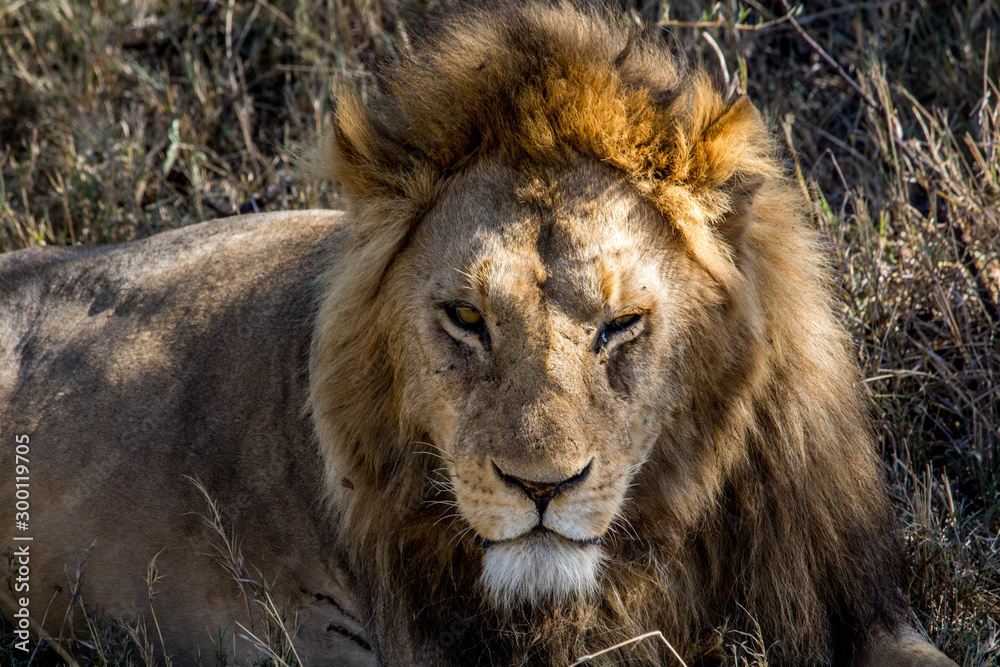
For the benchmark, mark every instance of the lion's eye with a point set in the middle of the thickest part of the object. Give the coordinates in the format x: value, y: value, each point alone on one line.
x: 618, y: 325
x: 465, y: 317
x: 625, y: 321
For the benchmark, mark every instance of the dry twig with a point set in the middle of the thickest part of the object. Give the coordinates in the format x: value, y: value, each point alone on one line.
x: 656, y: 633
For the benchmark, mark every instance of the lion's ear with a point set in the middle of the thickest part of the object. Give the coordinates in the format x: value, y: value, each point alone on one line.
x: 729, y: 143
x: 715, y: 155
x: 353, y: 149
x: 731, y: 159
x: 363, y: 154
x: 358, y: 154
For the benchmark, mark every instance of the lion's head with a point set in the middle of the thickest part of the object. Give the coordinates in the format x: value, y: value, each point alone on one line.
x: 536, y: 341
x: 579, y: 359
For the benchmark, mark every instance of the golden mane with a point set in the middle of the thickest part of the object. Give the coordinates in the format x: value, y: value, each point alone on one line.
x: 775, y: 517
x: 532, y: 85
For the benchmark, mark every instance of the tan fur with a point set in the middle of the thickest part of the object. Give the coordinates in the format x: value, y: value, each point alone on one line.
x: 554, y: 169
x: 131, y: 369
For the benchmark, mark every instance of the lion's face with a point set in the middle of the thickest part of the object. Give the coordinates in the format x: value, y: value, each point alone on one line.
x: 537, y: 313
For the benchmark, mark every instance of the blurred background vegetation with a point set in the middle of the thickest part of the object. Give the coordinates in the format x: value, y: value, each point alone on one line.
x: 119, y: 119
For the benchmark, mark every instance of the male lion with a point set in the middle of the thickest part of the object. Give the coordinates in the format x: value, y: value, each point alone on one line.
x: 570, y: 374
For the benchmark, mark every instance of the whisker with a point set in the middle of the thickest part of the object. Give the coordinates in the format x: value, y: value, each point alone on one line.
x: 426, y: 453
x: 449, y: 503
x: 634, y: 468
x: 622, y: 526
x: 458, y: 537
x: 447, y: 516
x: 443, y: 485
x: 438, y: 451
x: 466, y: 274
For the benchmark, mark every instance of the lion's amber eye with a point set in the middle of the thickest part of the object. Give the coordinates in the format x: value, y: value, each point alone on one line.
x: 617, y: 325
x: 466, y: 317
x: 625, y: 321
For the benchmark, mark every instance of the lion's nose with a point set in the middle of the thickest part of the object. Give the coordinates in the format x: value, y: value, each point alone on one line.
x: 542, y: 493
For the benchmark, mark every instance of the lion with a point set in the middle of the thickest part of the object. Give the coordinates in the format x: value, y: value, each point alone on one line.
x: 564, y: 372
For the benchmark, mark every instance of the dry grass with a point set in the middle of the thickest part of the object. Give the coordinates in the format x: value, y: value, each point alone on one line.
x: 118, y: 120
x: 104, y: 642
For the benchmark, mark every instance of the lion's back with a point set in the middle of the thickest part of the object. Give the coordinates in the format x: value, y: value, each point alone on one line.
x: 135, y: 318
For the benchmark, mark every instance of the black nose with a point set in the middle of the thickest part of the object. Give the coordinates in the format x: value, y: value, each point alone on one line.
x: 542, y: 493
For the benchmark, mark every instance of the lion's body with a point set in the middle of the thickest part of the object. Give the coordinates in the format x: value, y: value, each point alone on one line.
x: 130, y: 367
x: 570, y: 375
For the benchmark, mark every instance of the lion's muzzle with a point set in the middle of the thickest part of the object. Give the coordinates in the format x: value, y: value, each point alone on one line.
x: 541, y: 534
x: 541, y: 493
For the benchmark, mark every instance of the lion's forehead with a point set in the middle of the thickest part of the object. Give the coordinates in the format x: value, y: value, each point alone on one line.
x: 585, y: 282
x: 583, y: 253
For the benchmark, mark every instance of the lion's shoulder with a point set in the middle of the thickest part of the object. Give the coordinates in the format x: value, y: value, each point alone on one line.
x: 138, y: 314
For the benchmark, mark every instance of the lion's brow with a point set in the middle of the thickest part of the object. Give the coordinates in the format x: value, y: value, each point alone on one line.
x: 478, y: 273
x: 608, y: 282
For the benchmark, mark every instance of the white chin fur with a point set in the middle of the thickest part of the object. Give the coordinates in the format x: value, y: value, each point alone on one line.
x: 539, y: 568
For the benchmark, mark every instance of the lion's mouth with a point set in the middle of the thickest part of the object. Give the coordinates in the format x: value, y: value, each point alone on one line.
x: 539, y: 532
